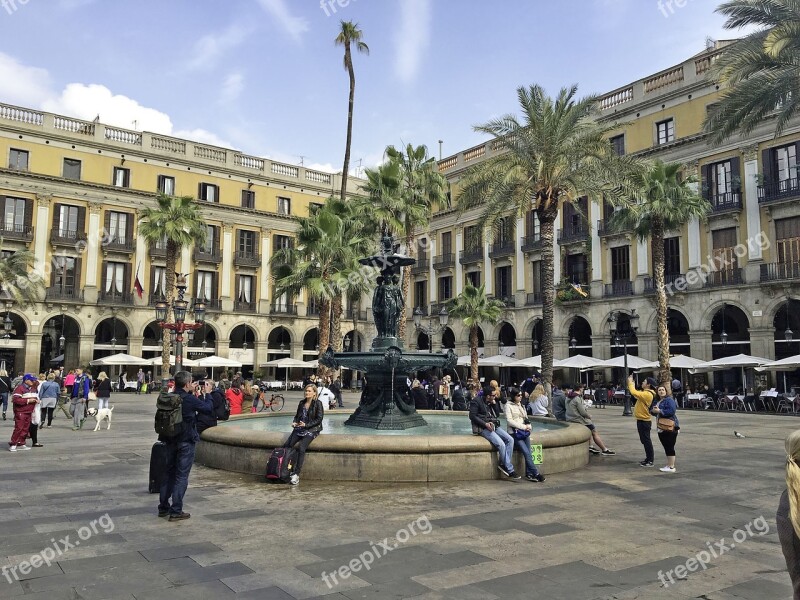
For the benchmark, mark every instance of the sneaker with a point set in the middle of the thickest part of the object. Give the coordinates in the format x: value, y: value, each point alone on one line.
x: 38, y: 446
x: 540, y: 478
x: 75, y: 428
x: 646, y: 463
x: 4, y: 416
x: 530, y: 477
x: 24, y: 447
x: 514, y: 475
x: 163, y: 513
x: 503, y: 471
x: 179, y: 516
x: 13, y: 448
x: 608, y: 452
x: 594, y: 450
x: 294, y: 479
x: 667, y: 469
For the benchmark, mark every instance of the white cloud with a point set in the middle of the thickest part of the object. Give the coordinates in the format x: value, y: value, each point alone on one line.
x: 232, y: 87
x: 202, y: 136
x: 413, y: 38
x: 295, y: 27
x: 210, y: 48
x: 21, y: 84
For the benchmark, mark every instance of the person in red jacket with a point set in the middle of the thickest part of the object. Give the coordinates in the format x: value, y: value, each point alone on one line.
x: 25, y: 399
x: 234, y: 396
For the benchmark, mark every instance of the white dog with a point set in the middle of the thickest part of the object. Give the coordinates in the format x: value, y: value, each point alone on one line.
x: 99, y: 415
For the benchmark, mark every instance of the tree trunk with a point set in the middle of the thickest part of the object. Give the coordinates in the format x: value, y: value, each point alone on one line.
x: 547, y: 219
x: 336, y: 322
x: 657, y: 247
x: 349, y: 62
x: 473, y: 354
x: 406, y: 283
x: 173, y: 251
x: 324, y: 329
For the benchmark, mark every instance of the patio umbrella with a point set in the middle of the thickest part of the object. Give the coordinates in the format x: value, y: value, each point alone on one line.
x: 532, y: 362
x: 288, y: 363
x: 634, y: 362
x: 790, y: 363
x: 681, y: 361
x: 498, y: 360
x: 742, y: 361
x: 216, y: 361
x: 156, y: 361
x: 121, y: 359
x: 579, y: 361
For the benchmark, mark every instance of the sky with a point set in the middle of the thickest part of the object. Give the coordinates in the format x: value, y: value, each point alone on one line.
x: 264, y: 76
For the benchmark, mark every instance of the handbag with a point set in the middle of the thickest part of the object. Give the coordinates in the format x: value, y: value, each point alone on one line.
x: 521, y: 434
x: 91, y: 396
x: 664, y: 424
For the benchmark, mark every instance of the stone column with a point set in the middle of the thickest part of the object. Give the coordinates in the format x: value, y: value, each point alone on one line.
x: 93, y: 249
x: 700, y: 345
x: 227, y: 268
x: 265, y: 276
x: 762, y: 342
x: 86, y: 350
x: 519, y: 256
x: 432, y: 291
x: 33, y: 351
x: 260, y: 355
x: 752, y: 210
x: 597, y: 250
x: 459, y: 268
x: 42, y: 267
x: 487, y: 265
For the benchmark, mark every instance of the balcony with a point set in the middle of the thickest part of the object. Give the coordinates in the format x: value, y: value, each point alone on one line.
x: 724, y: 278
x: 502, y: 248
x: 531, y: 243
x: 470, y: 256
x: 115, y: 299
x: 312, y: 310
x: 63, y: 294
x: 444, y: 261
x: 155, y: 299
x: 780, y: 271
x: 508, y: 301
x: 242, y: 306
x: 779, y: 191
x: 578, y: 232
x: 209, y: 255
x: 158, y: 251
x: 212, y: 305
x: 533, y: 299
x: 728, y: 201
x: 126, y: 245
x: 423, y: 309
x: 421, y: 266
x: 605, y: 228
x: 617, y: 289
x: 673, y: 282
x: 352, y: 313
x: 65, y: 237
x: 9, y: 231
x: 278, y: 309
x: 246, y: 258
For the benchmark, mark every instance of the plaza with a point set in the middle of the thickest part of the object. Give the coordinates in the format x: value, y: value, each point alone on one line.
x: 609, y: 530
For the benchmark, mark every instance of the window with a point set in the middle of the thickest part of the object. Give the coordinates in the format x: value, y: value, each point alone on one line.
x: 14, y: 215
x: 724, y: 243
x: 506, y: 231
x: 114, y: 278
x: 420, y: 294
x: 445, y: 288
x: 787, y: 234
x: 166, y: 185
x: 248, y: 199
x: 576, y: 269
x: 666, y: 131
x: 208, y: 192
x: 474, y: 278
x: 245, y: 285
x: 472, y: 237
x: 672, y: 256
x: 72, y: 169
x: 18, y: 159
x: 247, y: 243
x: 159, y: 281
x: 281, y: 242
x: 161, y: 244
x: 212, y: 239
x: 313, y: 207
x: 117, y: 227
x: 68, y: 221
x: 620, y: 264
x: 64, y: 273
x: 205, y: 285
x: 618, y: 144
x: 536, y: 276
x: 786, y: 162
x: 122, y: 177
x: 447, y: 242
x: 284, y: 206
x: 532, y: 226
x: 502, y: 286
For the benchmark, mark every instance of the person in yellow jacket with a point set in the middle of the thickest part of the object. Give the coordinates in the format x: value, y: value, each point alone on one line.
x: 644, y: 420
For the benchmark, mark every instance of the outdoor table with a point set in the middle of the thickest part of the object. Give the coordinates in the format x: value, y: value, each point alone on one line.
x: 768, y: 399
x: 736, y: 401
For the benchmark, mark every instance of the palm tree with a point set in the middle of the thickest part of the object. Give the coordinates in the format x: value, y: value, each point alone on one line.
x: 556, y: 154
x: 421, y: 188
x: 761, y: 71
x: 664, y: 201
x: 178, y: 221
x: 16, y: 280
x: 349, y: 34
x: 473, y: 307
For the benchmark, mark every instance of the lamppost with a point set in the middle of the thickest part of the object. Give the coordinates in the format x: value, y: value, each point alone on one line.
x: 8, y: 324
x: 624, y: 335
x: 432, y: 327
x: 536, y: 347
x: 179, y: 307
x: 788, y: 335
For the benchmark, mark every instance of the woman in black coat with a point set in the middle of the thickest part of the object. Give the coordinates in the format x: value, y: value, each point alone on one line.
x: 788, y: 515
x: 419, y: 395
x: 307, y: 424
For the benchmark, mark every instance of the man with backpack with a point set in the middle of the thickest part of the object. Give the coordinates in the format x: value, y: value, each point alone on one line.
x: 644, y: 420
x: 176, y: 420
x: 79, y: 396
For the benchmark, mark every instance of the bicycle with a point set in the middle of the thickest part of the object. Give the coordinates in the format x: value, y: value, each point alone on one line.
x: 275, y: 403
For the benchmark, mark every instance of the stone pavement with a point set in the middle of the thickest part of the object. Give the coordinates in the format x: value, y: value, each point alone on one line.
x: 603, y: 532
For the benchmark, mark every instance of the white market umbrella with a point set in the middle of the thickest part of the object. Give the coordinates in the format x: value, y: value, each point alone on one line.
x: 288, y: 363
x: 532, y: 362
x: 579, y: 361
x: 498, y: 360
x: 312, y: 364
x: 790, y: 363
x: 187, y: 362
x: 681, y: 361
x: 121, y: 359
x: 634, y: 362
x: 742, y: 361
x: 466, y: 361
x: 216, y: 361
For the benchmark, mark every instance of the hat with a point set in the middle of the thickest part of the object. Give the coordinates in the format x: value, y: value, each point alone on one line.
x: 651, y: 382
x: 29, y: 377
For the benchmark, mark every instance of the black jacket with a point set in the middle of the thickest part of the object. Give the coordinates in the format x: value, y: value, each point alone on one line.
x: 480, y: 412
x: 315, y: 414
x: 191, y: 406
x: 420, y: 397
x: 103, y: 388
x: 204, y: 421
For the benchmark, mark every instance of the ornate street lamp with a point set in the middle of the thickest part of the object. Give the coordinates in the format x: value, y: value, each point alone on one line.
x: 723, y: 337
x: 7, y: 325
x: 535, y: 347
x: 624, y: 335
x: 179, y: 307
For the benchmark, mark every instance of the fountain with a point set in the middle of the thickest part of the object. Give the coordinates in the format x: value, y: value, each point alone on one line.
x: 398, y: 443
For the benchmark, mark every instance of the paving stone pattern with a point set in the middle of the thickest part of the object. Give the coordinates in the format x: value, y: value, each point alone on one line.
x: 605, y: 531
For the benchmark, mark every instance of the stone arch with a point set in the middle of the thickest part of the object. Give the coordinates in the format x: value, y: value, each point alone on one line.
x: 566, y: 323
x: 242, y: 333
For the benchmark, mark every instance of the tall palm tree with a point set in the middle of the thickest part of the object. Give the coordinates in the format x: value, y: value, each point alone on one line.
x: 557, y: 153
x: 17, y: 282
x: 349, y: 34
x: 473, y: 307
x: 664, y: 201
x: 179, y: 222
x: 761, y: 71
x: 421, y: 189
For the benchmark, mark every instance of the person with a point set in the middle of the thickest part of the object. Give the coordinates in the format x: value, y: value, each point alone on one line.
x: 518, y: 422
x: 79, y: 394
x: 419, y: 396
x: 139, y: 381
x: 459, y: 399
x: 121, y: 382
x: 209, y: 391
x: 486, y: 424
x: 235, y: 397
x: 69, y: 379
x: 325, y: 395
x: 527, y: 387
x: 787, y: 517
x: 667, y: 408
x: 148, y: 380
x: 5, y: 390
x: 248, y: 396
x: 306, y: 425
x: 103, y: 390
x: 48, y: 394
x: 180, y: 449
x: 644, y: 419
x: 538, y: 401
x: 443, y: 392
x: 560, y: 402
x: 576, y: 413
x: 24, y: 400
x: 337, y: 392
x: 36, y: 415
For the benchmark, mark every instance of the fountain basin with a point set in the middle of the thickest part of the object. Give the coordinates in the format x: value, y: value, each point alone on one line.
x: 445, y: 451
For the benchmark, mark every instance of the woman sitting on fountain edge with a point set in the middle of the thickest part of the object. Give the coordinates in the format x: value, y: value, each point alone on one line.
x: 307, y: 424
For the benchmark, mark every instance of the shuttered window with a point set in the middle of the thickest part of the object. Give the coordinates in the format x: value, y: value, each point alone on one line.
x: 787, y: 233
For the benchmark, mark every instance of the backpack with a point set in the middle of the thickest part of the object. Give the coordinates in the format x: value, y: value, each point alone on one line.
x: 653, y: 402
x: 169, y: 415
x: 223, y: 411
x: 280, y: 465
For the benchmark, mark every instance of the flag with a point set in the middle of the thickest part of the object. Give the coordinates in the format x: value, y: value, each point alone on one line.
x: 137, y: 285
x: 577, y: 287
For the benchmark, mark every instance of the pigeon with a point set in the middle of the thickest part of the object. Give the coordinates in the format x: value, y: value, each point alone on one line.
x: 737, y: 434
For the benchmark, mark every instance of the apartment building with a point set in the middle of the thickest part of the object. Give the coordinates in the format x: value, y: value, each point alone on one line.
x: 734, y: 280
x: 72, y: 192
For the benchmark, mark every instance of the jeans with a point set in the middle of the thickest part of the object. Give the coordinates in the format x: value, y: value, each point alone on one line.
x: 524, y: 446
x: 47, y: 415
x: 180, y: 458
x: 102, y: 403
x: 4, y: 401
x: 504, y: 444
x: 305, y: 441
x: 76, y: 406
x: 644, y: 437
